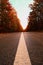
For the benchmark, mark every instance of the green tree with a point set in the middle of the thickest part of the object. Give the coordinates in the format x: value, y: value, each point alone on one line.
x: 36, y: 16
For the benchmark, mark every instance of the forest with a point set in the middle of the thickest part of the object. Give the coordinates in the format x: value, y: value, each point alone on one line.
x: 9, y: 21
x: 36, y: 16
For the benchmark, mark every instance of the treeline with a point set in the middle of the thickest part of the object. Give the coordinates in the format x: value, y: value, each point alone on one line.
x: 35, y: 19
x: 9, y: 22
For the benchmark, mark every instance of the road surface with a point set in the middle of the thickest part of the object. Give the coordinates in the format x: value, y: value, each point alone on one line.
x: 21, y: 48
x: 34, y: 43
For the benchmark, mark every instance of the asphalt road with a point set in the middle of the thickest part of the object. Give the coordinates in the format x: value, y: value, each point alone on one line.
x: 9, y: 44
x: 8, y: 47
x: 34, y: 43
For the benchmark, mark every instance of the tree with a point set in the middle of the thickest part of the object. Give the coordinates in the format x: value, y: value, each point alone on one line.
x: 36, y: 16
x: 8, y: 20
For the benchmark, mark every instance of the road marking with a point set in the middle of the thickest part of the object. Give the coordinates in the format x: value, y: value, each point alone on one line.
x: 22, y: 56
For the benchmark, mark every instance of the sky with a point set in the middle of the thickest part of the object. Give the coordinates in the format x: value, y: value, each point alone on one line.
x: 23, y: 10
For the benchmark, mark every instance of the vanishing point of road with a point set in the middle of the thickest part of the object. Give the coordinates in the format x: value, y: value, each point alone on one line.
x: 23, y: 48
